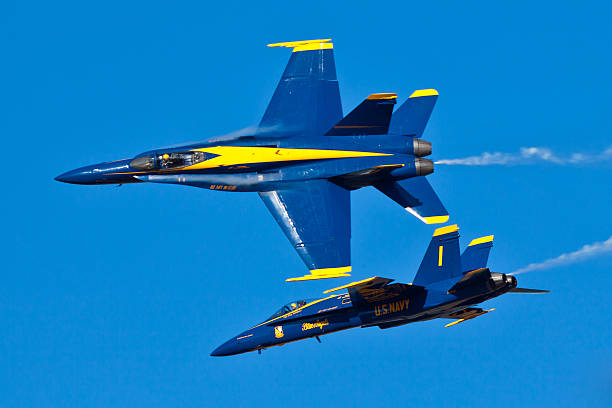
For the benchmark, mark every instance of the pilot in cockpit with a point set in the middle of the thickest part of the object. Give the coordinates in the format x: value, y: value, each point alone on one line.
x: 164, y: 160
x: 297, y: 304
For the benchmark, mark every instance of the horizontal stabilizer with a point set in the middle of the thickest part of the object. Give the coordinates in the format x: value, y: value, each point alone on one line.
x: 466, y: 314
x: 371, y: 117
x: 525, y: 290
x: 411, y: 118
x: 417, y: 197
x: 476, y: 254
x: 441, y: 260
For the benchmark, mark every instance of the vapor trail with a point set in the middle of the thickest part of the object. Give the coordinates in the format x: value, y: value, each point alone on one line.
x: 528, y: 155
x: 586, y: 252
x: 236, y: 134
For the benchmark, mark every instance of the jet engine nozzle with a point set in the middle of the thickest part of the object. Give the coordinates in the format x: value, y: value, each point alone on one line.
x: 421, y: 147
x: 498, y: 280
x: 501, y: 280
x: 423, y: 166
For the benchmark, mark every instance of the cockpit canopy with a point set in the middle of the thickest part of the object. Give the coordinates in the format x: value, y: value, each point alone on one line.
x: 170, y: 160
x: 289, y: 307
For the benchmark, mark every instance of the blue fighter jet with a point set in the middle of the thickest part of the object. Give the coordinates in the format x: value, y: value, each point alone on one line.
x: 447, y: 285
x: 305, y: 158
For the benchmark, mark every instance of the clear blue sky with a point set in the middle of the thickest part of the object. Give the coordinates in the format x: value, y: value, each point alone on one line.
x: 116, y: 297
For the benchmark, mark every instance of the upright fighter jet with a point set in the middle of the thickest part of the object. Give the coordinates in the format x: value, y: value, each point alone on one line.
x: 305, y: 158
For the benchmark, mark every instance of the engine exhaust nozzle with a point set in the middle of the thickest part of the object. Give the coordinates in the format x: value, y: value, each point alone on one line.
x: 423, y: 166
x: 421, y: 147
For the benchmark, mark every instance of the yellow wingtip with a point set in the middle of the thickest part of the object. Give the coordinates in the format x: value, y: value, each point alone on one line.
x: 315, y: 277
x: 446, y: 230
x: 332, y: 271
x: 324, y: 273
x: 481, y: 240
x: 440, y: 219
x: 306, y: 45
x: 424, y: 92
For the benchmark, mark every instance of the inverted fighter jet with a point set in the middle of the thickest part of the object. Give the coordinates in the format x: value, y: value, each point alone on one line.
x: 304, y: 159
x: 447, y: 285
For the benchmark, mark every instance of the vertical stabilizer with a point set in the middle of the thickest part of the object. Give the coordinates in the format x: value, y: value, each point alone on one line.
x: 441, y: 260
x: 476, y: 254
x: 412, y: 117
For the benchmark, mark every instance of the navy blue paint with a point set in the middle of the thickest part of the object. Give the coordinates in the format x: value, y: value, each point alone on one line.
x: 437, y: 292
x: 309, y: 199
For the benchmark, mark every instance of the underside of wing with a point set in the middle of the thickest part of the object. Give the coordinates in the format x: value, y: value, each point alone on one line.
x: 307, y: 99
x: 316, y: 218
x: 417, y: 197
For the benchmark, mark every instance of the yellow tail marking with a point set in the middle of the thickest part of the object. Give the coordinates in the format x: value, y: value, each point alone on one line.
x: 446, y: 230
x: 440, y: 252
x: 383, y: 96
x: 424, y: 92
x: 481, y: 240
x: 307, y: 45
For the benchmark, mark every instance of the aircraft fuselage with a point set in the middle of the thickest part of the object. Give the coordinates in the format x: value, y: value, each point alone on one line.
x: 397, y: 305
x: 252, y: 163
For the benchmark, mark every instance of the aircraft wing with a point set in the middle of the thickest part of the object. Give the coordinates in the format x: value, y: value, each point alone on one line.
x: 307, y: 99
x: 376, y: 289
x: 316, y: 217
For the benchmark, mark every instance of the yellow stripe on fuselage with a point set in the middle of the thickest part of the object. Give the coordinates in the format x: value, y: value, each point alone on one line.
x: 296, y: 311
x: 236, y: 155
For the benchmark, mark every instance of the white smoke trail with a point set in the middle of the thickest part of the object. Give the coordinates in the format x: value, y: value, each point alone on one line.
x: 528, y: 155
x: 587, y: 251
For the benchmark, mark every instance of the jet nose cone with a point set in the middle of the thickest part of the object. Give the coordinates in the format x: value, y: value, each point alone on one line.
x: 225, y: 349
x: 218, y: 352
x: 233, y: 346
x: 78, y: 176
x: 62, y: 177
x: 67, y: 177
